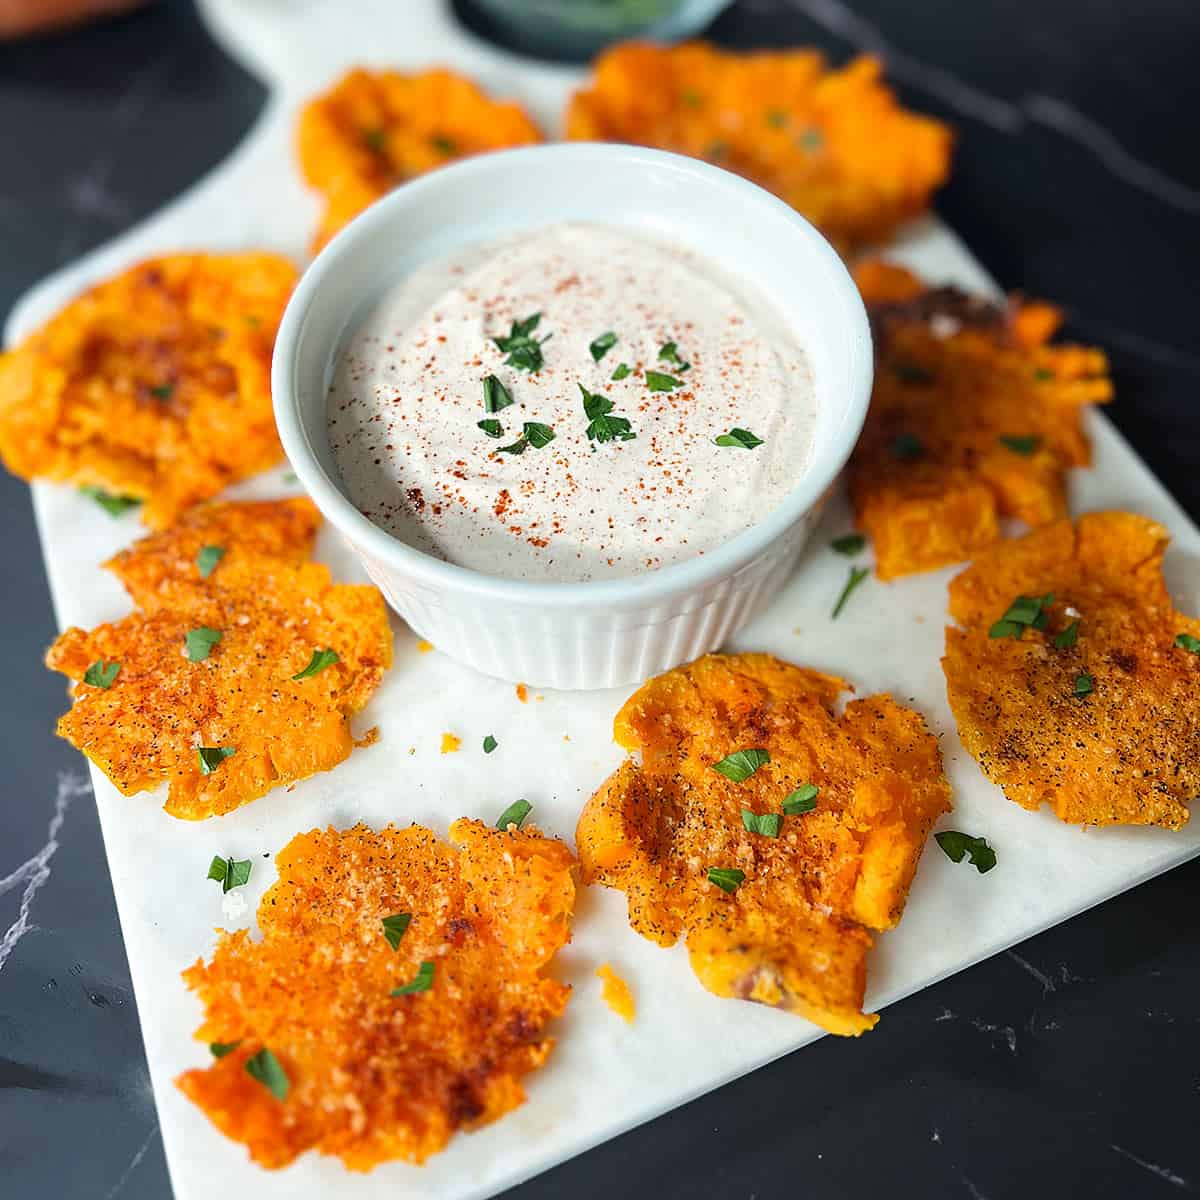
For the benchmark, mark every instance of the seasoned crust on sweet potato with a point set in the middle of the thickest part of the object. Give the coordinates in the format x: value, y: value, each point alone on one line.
x: 373, y: 1076
x: 833, y: 143
x: 154, y: 384
x: 973, y: 418
x: 1127, y: 751
x: 796, y: 932
x: 272, y: 609
x: 374, y: 129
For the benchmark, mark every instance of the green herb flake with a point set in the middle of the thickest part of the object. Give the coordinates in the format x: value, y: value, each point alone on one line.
x: 199, y: 642
x: 1025, y: 612
x: 739, y: 437
x: 538, y: 435
x: 690, y: 98
x: 112, y: 503
x: 765, y: 824
x: 656, y: 381
x: 1185, y: 641
x: 489, y: 744
x: 741, y: 764
x: 265, y: 1068
x: 491, y: 427
x: 907, y: 446
x: 911, y: 373
x: 495, y: 396
x: 395, y: 927
x: 600, y: 346
x: 849, y: 544
x: 726, y: 878
x: 1068, y: 637
x: 101, y: 674
x: 669, y: 352
x: 319, y: 661
x: 777, y: 118
x: 163, y: 392
x: 421, y: 982
x: 1022, y: 444
x: 220, y: 1049
x: 857, y: 575
x: 812, y: 139
x: 229, y: 873
x: 956, y: 845
x: 375, y: 139
x: 207, y: 559
x: 444, y: 145
x: 622, y: 370
x: 1042, y: 374
x: 602, y: 426
x: 517, y: 447
x: 514, y: 814
x: 716, y: 150
x: 211, y: 757
x: 802, y: 800
x: 523, y: 350
x: 1084, y: 685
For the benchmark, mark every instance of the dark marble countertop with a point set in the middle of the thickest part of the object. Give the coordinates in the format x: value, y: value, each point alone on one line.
x: 1065, y: 1068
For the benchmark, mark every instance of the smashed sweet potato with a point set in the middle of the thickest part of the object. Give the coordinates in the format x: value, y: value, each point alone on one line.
x: 973, y: 418
x: 833, y: 143
x: 367, y: 1074
x: 154, y: 385
x: 1090, y: 700
x: 374, y: 129
x: 794, y: 930
x: 205, y: 693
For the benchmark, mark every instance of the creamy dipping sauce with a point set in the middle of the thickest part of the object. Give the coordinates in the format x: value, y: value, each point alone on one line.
x: 408, y: 394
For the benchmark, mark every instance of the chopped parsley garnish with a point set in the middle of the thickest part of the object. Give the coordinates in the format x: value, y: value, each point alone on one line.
x: 523, y: 350
x: 911, y: 373
x: 602, y: 345
x: 656, y: 381
x: 395, y: 927
x: 802, y: 800
x: 264, y: 1067
x: 812, y: 139
x: 603, y: 427
x: 849, y: 544
x: 534, y: 434
x: 164, y: 392
x: 207, y: 559
x: 1084, y: 684
x: 444, y: 144
x: 766, y: 824
x: 421, y: 982
x: 1068, y: 637
x: 101, y: 674
x: 907, y: 446
x: 1042, y: 374
x: 489, y: 744
x: 517, y: 447
x: 1023, y: 444
x: 112, y: 504
x: 514, y: 814
x: 220, y: 1049
x: 376, y: 139
x: 229, y: 872
x: 622, y: 370
x: 1185, y: 641
x: 857, y: 575
x: 777, y: 118
x: 726, y: 878
x: 669, y: 352
x: 716, y: 150
x: 741, y: 764
x: 690, y: 97
x: 491, y: 427
x: 739, y: 437
x: 319, y: 661
x: 495, y: 396
x: 199, y: 642
x: 1025, y: 612
x: 956, y: 845
x: 211, y: 757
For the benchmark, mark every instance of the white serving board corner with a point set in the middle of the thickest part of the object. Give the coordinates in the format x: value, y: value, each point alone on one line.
x: 604, y: 1077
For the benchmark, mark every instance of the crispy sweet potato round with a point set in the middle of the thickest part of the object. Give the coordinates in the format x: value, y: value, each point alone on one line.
x: 271, y: 610
x: 1097, y: 712
x: 375, y: 129
x: 973, y: 418
x: 833, y: 143
x: 153, y: 385
x: 795, y: 933
x: 373, y: 1076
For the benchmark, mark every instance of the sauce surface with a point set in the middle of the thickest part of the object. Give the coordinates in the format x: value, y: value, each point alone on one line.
x: 408, y: 394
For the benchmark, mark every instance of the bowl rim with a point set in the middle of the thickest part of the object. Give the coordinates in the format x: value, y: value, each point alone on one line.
x: 627, y: 591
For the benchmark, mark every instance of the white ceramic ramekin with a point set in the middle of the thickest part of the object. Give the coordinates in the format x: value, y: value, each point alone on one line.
x: 609, y: 632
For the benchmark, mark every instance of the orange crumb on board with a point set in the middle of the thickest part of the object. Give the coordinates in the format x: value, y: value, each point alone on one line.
x: 424, y: 647
x: 616, y: 994
x: 450, y: 743
x: 522, y: 693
